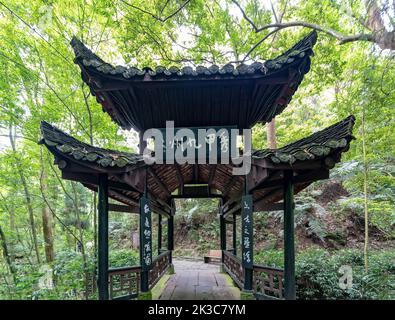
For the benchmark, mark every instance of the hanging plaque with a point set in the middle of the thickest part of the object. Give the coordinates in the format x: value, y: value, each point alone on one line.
x: 247, y: 231
x: 199, y: 143
x: 145, y: 234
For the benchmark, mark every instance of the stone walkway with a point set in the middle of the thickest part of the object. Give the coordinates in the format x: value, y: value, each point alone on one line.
x: 195, y: 280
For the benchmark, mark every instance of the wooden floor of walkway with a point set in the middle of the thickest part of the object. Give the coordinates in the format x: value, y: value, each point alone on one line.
x: 195, y: 280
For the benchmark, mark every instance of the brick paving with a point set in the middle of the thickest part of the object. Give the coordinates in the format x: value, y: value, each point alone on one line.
x: 196, y: 280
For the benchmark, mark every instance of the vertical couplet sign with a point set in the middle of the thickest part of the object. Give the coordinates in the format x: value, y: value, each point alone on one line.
x: 145, y: 234
x: 247, y: 231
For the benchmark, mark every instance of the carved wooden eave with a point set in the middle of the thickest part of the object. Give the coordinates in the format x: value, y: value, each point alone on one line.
x: 309, y: 159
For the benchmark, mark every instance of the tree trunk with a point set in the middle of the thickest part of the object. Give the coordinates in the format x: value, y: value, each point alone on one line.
x: 27, y: 195
x: 271, y: 134
x: 86, y: 96
x: 81, y: 242
x: 6, y: 252
x: 365, y: 191
x: 13, y: 233
x: 47, y: 223
x: 374, y: 22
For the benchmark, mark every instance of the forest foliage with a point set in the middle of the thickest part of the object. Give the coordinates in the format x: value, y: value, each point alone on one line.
x: 47, y: 222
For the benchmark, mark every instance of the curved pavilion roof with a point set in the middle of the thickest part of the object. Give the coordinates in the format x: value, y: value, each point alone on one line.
x: 310, y: 159
x: 239, y: 95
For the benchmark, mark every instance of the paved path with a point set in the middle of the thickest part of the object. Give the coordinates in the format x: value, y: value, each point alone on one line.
x: 195, y: 280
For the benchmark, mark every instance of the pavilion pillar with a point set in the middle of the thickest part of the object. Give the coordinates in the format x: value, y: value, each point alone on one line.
x: 170, y: 235
x: 145, y: 247
x: 159, y: 233
x: 289, y: 237
x: 102, y: 279
x: 234, y: 235
x: 222, y: 232
x: 247, y: 244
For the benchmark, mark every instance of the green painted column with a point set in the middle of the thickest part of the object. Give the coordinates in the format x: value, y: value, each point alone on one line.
x: 222, y: 231
x: 234, y: 235
x: 289, y: 238
x: 170, y: 235
x: 145, y: 242
x: 159, y: 233
x: 102, y: 279
x: 247, y: 233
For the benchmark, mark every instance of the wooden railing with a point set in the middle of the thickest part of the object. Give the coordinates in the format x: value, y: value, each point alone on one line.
x: 268, y: 282
x: 159, y: 266
x: 233, y: 266
x: 124, y: 283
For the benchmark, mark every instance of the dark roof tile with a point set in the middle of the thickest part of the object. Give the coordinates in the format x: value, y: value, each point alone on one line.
x: 318, y: 145
x: 87, y: 58
x: 52, y: 137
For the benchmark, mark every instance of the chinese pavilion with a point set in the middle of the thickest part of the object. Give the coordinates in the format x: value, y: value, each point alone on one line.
x: 238, y: 96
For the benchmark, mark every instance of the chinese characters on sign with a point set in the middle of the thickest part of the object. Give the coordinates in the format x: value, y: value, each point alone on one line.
x: 247, y: 231
x: 200, y: 141
x: 146, y: 234
x: 211, y: 145
x: 201, y: 145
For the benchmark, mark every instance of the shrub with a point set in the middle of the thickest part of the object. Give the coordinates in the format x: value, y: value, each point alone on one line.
x: 317, y: 273
x: 124, y: 258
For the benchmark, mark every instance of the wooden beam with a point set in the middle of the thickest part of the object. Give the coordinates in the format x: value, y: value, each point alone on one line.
x: 226, y: 205
x: 186, y: 196
x: 311, y: 176
x: 114, y: 85
x: 93, y: 179
x: 269, y: 194
x: 158, y: 181
x: 298, y: 165
x: 196, y: 191
x: 213, y: 169
x: 156, y: 208
x: 179, y: 178
x: 123, y: 198
x: 121, y: 208
x: 196, y: 173
x: 159, y: 202
x: 229, y: 186
x: 236, y: 208
x: 256, y: 177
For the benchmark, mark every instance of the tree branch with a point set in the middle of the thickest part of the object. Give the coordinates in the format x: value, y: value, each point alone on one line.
x: 339, y: 36
x: 154, y: 15
x: 259, y: 42
x: 245, y: 16
x: 379, y: 35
